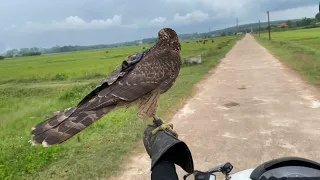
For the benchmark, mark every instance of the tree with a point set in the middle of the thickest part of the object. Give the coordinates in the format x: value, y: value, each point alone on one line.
x: 291, y: 24
x: 1, y: 57
x: 318, y: 17
x: 304, y: 22
x: 15, y: 52
x: 31, y: 54
x: 10, y: 53
x: 34, y: 49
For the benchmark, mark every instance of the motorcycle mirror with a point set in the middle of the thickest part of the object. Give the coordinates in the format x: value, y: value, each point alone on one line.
x: 197, y: 175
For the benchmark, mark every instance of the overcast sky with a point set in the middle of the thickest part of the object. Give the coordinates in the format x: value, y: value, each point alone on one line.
x: 46, y: 23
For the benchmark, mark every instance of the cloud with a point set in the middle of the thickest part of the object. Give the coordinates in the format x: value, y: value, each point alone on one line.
x: 247, y: 9
x: 82, y: 22
x: 73, y: 23
x: 158, y: 20
x: 191, y: 17
x: 176, y: 19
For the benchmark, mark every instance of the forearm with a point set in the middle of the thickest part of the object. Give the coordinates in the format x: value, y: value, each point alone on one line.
x: 166, y: 151
x: 164, y: 170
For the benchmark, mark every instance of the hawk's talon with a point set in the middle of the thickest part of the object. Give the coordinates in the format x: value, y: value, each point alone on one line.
x: 165, y: 126
x: 157, y: 122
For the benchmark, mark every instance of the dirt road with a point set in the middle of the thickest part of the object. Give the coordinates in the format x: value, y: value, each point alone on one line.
x: 249, y: 110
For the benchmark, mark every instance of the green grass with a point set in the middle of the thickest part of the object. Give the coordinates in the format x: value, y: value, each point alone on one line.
x: 299, y: 49
x: 30, y: 91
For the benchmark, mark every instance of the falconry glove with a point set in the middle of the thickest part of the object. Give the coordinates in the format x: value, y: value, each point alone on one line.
x: 165, y: 143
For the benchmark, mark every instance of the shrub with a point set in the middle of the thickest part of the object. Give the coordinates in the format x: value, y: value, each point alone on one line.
x: 31, y: 54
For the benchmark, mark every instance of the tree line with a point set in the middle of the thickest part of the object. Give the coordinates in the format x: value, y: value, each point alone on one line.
x: 61, y: 49
x: 296, y: 24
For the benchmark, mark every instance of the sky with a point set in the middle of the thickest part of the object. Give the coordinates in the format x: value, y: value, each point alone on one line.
x: 46, y: 23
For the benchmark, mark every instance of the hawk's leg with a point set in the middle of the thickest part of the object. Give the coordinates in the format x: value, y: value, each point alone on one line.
x: 148, y: 108
x: 148, y: 105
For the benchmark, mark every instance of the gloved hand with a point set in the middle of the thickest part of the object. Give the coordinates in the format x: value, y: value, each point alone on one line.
x: 165, y: 143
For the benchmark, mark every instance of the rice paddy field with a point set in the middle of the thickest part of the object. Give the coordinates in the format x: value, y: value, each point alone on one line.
x: 298, y: 49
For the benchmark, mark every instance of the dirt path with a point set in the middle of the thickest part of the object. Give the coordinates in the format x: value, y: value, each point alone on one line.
x: 250, y: 110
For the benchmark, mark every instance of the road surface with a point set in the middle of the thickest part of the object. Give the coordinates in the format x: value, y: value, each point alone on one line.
x: 250, y: 109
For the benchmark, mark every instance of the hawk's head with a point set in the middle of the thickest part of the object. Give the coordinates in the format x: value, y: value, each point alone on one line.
x: 170, y: 37
x: 167, y: 34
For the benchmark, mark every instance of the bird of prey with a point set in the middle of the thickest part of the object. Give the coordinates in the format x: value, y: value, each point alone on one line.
x: 141, y: 79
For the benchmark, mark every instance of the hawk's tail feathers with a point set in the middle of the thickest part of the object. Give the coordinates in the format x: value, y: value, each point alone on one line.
x: 65, y: 125
x: 53, y: 121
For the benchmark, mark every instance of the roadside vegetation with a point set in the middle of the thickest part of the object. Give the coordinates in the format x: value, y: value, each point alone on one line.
x: 32, y: 88
x: 299, y: 49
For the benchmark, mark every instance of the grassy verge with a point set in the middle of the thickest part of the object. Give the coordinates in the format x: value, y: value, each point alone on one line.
x: 101, y: 148
x: 304, y: 59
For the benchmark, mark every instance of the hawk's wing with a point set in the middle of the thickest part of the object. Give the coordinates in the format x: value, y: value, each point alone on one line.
x: 153, y: 70
x: 125, y: 67
x: 166, y: 85
x: 149, y: 74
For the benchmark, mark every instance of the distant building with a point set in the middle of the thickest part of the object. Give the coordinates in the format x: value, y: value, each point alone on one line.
x: 283, y: 25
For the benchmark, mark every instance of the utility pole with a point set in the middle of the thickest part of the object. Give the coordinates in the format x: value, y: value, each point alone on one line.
x: 237, y: 21
x: 269, y: 25
x: 259, y: 28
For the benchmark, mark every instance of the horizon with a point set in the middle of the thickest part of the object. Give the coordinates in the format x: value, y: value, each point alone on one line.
x: 151, y: 37
x: 87, y: 25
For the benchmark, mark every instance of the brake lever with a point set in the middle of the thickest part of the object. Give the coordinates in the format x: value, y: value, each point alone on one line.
x: 216, y: 169
x: 224, y: 169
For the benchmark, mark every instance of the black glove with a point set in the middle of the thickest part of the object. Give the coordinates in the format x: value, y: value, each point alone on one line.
x: 166, y: 144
